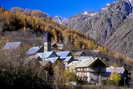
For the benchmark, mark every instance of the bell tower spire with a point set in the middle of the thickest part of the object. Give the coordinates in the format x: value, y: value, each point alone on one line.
x: 47, y: 41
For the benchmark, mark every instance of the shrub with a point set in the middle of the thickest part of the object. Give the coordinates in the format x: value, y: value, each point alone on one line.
x: 69, y: 76
x: 114, y: 79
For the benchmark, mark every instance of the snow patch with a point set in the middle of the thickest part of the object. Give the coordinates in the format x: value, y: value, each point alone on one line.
x: 58, y: 19
x: 108, y: 4
x: 89, y: 13
x: 85, y: 13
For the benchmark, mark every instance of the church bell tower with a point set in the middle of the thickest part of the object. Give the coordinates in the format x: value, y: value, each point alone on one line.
x: 47, y: 41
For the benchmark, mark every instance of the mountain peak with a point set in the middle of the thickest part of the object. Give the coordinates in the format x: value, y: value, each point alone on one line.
x: 85, y: 13
x: 88, y: 13
x: 58, y: 19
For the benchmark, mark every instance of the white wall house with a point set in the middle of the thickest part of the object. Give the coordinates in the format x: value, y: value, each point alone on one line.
x: 88, y: 68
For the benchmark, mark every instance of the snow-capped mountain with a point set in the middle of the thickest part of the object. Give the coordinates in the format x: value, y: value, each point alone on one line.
x: 59, y: 19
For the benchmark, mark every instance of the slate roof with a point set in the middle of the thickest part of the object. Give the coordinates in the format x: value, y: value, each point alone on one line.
x: 47, y: 54
x: 53, y: 56
x: 12, y: 45
x: 53, y: 59
x: 33, y: 50
x: 120, y: 70
x: 63, y: 54
x: 83, y: 61
x: 73, y: 64
x: 86, y: 61
x: 68, y: 58
x: 83, y: 58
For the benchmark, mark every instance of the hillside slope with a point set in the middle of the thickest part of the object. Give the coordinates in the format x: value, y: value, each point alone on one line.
x: 122, y: 39
x: 106, y: 24
x: 20, y: 26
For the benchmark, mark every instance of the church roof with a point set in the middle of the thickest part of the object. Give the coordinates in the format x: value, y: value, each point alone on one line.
x: 68, y: 58
x: 33, y: 50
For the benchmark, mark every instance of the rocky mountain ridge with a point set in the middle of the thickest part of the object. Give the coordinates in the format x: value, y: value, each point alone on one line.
x: 105, y: 25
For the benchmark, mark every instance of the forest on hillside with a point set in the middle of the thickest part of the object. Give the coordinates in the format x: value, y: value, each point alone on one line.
x: 20, y: 21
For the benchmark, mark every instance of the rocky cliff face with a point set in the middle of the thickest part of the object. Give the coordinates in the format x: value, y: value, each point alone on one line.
x: 102, y: 25
x: 122, y: 39
x: 108, y: 26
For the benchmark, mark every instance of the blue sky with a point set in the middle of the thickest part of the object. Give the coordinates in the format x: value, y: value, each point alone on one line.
x: 65, y: 8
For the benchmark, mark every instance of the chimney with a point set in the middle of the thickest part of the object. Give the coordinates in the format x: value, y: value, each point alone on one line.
x: 47, y: 41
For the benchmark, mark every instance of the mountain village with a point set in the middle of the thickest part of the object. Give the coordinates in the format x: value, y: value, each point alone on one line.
x: 45, y: 46
x: 90, y: 69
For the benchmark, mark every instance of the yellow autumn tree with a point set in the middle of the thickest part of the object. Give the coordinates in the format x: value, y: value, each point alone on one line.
x: 115, y: 78
x: 69, y: 76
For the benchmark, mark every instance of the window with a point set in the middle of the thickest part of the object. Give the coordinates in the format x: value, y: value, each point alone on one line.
x: 87, y: 69
x: 81, y: 69
x: 78, y: 69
